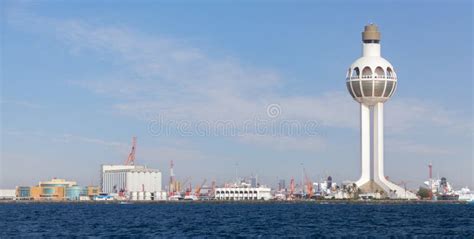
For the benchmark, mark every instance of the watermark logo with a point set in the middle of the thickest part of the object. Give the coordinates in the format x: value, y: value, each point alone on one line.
x: 275, y: 126
x: 273, y: 110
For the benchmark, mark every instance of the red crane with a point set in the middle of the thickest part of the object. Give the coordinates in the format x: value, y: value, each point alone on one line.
x: 131, y: 156
x: 188, y: 190
x: 197, y: 193
x: 309, y: 185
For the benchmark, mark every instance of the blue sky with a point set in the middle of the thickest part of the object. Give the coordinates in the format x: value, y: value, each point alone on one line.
x: 80, y: 78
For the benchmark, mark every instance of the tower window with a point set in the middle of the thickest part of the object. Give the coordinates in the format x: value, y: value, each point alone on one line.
x: 367, y: 87
x: 379, y: 86
x: 349, y: 89
x: 388, y: 89
x: 355, y: 73
x: 394, y: 88
x: 367, y: 72
x: 379, y: 73
x: 356, y: 87
x: 390, y: 73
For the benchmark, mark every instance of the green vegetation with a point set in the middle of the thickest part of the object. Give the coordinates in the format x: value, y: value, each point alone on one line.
x: 423, y: 193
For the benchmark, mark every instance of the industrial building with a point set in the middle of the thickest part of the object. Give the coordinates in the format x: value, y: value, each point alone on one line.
x: 7, y: 194
x: 130, y: 181
x: 133, y: 181
x: 56, y: 190
x: 112, y: 177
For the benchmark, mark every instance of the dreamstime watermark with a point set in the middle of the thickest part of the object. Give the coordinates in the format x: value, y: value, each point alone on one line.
x: 269, y: 126
x: 273, y: 110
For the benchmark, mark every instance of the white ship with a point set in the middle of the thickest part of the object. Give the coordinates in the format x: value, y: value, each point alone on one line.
x: 175, y: 197
x: 191, y: 197
x: 441, y: 189
x: 465, y: 195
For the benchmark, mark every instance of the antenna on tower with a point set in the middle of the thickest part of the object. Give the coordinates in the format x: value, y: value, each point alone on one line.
x: 131, y: 156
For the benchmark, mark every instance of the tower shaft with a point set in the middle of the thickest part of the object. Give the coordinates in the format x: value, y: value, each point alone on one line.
x: 372, y: 168
x: 378, y: 142
x: 364, y: 144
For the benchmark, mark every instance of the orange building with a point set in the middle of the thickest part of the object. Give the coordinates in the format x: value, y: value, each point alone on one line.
x: 56, y: 190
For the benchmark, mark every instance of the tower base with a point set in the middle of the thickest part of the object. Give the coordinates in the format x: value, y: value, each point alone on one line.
x: 386, y: 189
x: 371, y: 187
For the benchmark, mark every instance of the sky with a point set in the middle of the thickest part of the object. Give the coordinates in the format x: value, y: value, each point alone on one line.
x: 229, y: 87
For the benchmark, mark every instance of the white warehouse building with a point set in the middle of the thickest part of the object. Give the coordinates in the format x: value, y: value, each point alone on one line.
x: 129, y: 178
x: 243, y: 193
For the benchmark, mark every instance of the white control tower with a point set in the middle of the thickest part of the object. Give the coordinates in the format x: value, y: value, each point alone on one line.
x: 371, y: 80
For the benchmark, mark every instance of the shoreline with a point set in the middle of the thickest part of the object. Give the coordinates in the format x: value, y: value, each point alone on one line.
x: 321, y: 202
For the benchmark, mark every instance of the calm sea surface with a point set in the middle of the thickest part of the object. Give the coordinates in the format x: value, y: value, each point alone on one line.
x: 236, y: 220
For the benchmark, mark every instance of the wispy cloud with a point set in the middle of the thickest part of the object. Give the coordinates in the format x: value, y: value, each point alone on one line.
x: 69, y: 138
x: 21, y: 103
x: 20, y: 133
x: 63, y: 138
x: 169, y: 77
x: 416, y: 148
x: 178, y: 154
x: 404, y: 115
x: 284, y: 143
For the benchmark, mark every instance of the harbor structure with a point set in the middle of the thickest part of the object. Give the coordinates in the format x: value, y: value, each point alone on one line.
x: 254, y: 181
x: 7, y: 194
x: 465, y: 195
x: 281, y: 185
x: 133, y: 181
x: 441, y: 189
x: 371, y: 80
x: 243, y: 191
x: 56, y: 190
x: 112, y: 179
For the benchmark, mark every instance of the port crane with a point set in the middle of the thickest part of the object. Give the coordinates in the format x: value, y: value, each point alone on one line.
x: 309, y: 185
x: 194, y: 196
x: 198, y: 189
x: 131, y: 157
x: 184, y: 182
